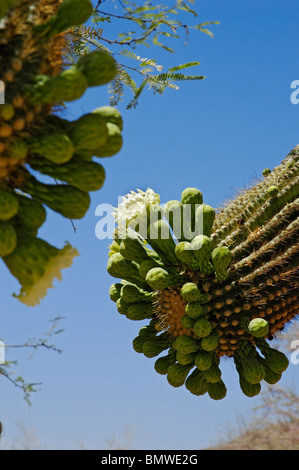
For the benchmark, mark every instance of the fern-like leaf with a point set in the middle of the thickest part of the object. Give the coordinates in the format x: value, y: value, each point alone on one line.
x: 134, y: 102
x: 178, y: 77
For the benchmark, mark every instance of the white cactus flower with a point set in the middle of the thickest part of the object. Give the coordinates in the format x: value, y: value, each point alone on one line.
x: 134, y: 205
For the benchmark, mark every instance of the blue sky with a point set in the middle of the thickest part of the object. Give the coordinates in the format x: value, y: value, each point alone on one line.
x: 218, y: 135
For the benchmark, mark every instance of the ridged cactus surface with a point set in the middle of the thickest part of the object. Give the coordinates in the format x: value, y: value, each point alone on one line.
x: 35, y: 141
x: 212, y: 284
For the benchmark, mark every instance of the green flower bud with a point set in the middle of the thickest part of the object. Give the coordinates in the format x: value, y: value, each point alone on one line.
x: 9, y: 205
x: 186, y: 344
x: 221, y: 259
x: 203, y: 360
x: 209, y: 343
x: 110, y: 114
x: 258, y: 327
x: 187, y: 322
x: 8, y: 239
x: 98, y: 68
x: 202, y: 328
x: 190, y: 292
x: 273, y: 191
x: 195, y: 309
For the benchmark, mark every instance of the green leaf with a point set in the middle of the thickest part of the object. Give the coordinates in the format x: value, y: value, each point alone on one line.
x: 184, y: 66
x: 178, y: 77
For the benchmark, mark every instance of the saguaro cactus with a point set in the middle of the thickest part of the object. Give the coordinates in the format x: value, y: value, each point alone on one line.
x: 229, y: 291
x: 33, y: 43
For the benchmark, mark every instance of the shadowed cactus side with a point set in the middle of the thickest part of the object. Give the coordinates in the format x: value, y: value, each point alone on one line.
x: 225, y: 291
x: 34, y: 42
